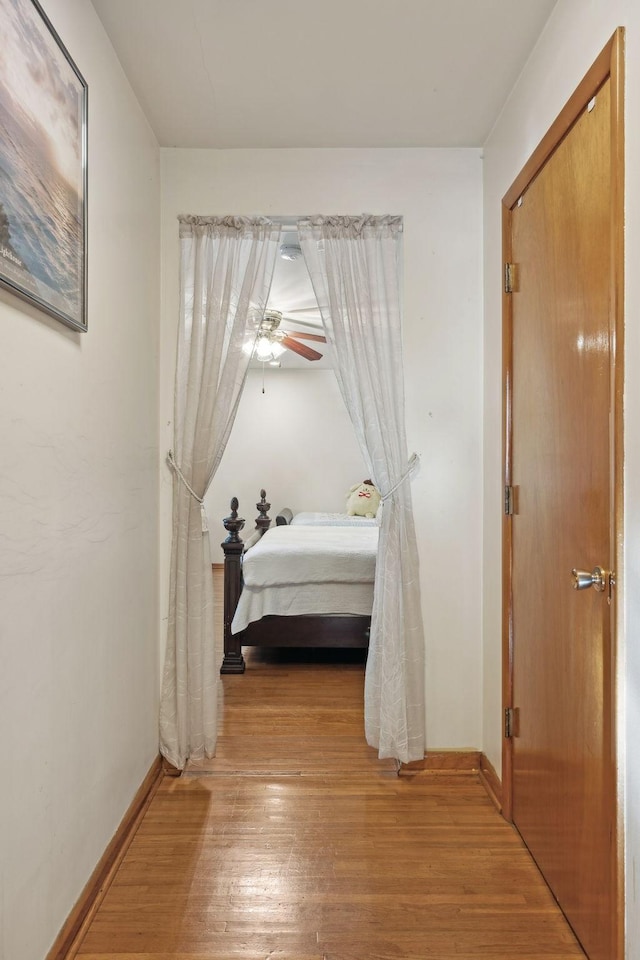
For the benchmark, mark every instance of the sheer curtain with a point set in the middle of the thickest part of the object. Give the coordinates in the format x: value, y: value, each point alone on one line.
x: 226, y: 270
x: 354, y: 267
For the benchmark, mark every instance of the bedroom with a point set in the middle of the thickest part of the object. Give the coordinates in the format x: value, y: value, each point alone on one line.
x: 441, y: 252
x: 84, y: 453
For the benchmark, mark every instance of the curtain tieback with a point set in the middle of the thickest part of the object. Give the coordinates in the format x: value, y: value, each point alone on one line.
x: 412, y: 467
x: 178, y: 472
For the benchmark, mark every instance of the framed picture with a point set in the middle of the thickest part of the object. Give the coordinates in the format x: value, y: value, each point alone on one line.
x: 43, y: 166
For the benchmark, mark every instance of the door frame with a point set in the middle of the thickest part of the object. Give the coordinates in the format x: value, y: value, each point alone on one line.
x: 609, y: 64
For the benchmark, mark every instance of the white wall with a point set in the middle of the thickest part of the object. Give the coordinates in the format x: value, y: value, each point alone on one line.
x: 295, y: 440
x: 439, y: 194
x: 575, y: 34
x: 79, y: 528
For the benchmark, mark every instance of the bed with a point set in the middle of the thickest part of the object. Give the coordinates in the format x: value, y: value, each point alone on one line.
x: 305, y: 581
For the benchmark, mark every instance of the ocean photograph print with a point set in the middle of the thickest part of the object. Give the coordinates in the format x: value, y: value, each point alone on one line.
x: 43, y: 166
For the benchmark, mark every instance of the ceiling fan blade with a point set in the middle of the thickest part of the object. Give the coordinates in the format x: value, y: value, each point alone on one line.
x: 299, y: 335
x: 301, y: 348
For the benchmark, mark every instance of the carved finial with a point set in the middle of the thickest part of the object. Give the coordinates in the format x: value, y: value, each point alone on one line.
x: 263, y: 522
x: 233, y: 524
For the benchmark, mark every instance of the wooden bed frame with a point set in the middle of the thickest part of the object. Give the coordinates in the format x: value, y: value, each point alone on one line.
x: 299, y: 631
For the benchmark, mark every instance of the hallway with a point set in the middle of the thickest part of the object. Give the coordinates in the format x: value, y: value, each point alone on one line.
x: 296, y: 842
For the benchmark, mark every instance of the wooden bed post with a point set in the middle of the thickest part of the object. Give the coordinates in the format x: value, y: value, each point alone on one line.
x: 263, y: 522
x: 233, y: 546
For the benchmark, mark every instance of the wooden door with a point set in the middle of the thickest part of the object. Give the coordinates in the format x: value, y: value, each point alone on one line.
x: 562, y: 469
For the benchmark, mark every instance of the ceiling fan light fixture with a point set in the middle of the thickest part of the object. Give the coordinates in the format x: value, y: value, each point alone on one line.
x: 264, y: 349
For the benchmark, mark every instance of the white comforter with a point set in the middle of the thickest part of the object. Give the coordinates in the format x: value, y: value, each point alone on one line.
x: 312, y: 554
x: 298, y: 571
x: 332, y: 520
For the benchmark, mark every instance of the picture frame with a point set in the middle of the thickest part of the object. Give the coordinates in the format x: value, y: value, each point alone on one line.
x: 43, y: 166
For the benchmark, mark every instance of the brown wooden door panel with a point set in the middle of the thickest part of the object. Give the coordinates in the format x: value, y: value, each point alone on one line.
x: 563, y: 780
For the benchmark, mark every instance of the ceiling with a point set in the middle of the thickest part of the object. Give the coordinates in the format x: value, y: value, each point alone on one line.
x: 331, y: 73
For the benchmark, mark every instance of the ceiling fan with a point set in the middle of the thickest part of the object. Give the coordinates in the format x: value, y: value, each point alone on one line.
x: 272, y: 341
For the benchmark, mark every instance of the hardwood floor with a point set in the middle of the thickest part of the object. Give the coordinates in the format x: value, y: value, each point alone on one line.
x: 297, y: 843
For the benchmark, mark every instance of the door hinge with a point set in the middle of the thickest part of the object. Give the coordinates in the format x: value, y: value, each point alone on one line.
x: 509, y: 277
x: 508, y: 723
x: 508, y: 501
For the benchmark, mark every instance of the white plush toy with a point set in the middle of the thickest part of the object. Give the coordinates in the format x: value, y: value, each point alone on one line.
x: 363, y: 500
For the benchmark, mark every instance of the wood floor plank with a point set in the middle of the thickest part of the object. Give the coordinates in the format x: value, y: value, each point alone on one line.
x: 295, y: 842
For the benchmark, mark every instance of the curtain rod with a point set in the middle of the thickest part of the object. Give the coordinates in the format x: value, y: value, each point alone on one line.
x: 291, y: 222
x: 286, y: 221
